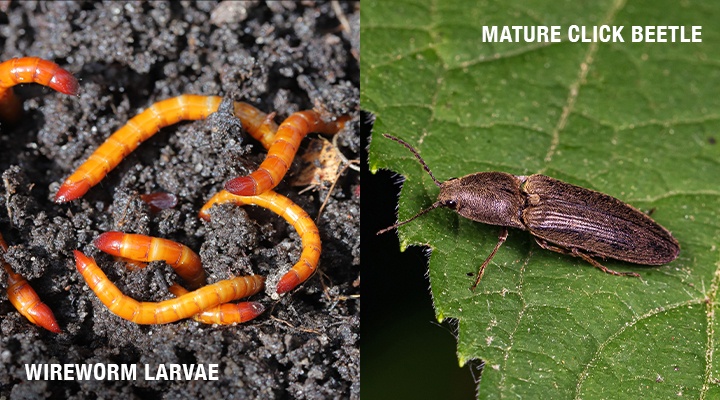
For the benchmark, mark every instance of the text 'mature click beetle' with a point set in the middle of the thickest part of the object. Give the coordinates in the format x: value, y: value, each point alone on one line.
x: 562, y: 217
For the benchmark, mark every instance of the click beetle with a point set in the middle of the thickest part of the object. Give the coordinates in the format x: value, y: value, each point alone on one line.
x: 561, y: 217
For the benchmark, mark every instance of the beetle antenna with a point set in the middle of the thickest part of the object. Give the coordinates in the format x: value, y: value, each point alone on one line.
x: 406, y: 144
x: 432, y: 207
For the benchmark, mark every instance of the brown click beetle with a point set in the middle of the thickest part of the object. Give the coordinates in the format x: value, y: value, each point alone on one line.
x: 562, y: 217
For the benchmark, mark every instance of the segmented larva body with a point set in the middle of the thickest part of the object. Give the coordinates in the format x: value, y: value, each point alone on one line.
x: 128, y: 138
x: 282, y: 142
x: 31, y: 70
x: 292, y: 213
x: 14, y: 72
x: 167, y: 311
x: 25, y: 299
x: 224, y: 314
x: 258, y: 124
x: 143, y: 248
x: 281, y: 152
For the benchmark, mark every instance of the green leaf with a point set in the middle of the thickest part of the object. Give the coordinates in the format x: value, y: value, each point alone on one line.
x: 638, y: 121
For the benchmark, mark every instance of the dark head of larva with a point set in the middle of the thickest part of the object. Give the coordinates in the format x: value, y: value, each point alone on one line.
x: 489, y: 197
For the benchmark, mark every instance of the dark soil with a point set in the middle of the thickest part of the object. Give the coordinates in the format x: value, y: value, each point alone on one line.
x: 278, y: 56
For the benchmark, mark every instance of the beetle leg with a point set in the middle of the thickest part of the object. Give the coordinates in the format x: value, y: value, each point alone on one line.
x: 601, y: 267
x: 577, y: 253
x: 501, y: 239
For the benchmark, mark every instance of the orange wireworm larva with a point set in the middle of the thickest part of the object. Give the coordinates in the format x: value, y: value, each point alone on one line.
x: 27, y: 70
x: 285, y: 144
x: 292, y: 213
x: 128, y: 138
x: 147, y: 248
x: 166, y: 311
x: 125, y: 246
x: 258, y: 124
x: 25, y: 299
x: 224, y: 314
x: 282, y: 141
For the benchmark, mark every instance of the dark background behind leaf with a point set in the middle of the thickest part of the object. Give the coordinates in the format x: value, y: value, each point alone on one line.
x: 636, y: 121
x: 405, y: 354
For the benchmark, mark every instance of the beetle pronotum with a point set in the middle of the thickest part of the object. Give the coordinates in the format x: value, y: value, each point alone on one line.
x: 562, y: 217
x: 292, y: 213
x: 27, y: 70
x: 184, y: 306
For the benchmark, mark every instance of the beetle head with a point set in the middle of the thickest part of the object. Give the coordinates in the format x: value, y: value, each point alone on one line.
x: 488, y: 197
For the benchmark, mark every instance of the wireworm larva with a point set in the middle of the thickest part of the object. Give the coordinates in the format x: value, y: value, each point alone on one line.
x: 224, y: 314
x: 285, y: 144
x: 31, y: 70
x: 166, y: 311
x: 144, y: 248
x: 292, y: 213
x: 24, y: 298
